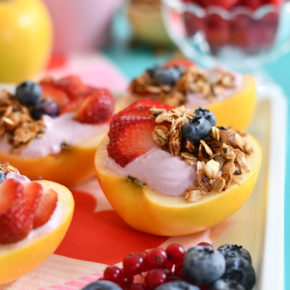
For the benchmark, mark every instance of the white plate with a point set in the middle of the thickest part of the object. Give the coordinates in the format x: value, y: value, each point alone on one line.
x: 259, y: 224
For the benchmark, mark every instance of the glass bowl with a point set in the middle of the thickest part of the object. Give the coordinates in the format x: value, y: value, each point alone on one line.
x: 241, y: 38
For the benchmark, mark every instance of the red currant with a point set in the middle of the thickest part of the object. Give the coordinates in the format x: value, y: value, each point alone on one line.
x: 132, y: 264
x: 155, y: 278
x: 175, y: 253
x: 113, y: 274
x: 137, y: 286
x: 204, y: 244
x: 142, y: 254
x: 127, y: 281
x: 156, y: 258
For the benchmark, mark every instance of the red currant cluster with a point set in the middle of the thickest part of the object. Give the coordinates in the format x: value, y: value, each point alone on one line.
x: 243, y: 31
x: 230, y: 4
x: 147, y: 270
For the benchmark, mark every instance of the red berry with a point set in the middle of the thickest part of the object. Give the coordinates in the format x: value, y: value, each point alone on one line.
x: 204, y: 244
x: 137, y: 286
x: 45, y: 208
x: 113, y: 274
x: 133, y: 264
x: 142, y: 254
x: 98, y: 107
x: 51, y: 91
x: 127, y: 281
x: 253, y: 4
x: 130, y: 139
x: 175, y: 253
x: 179, y: 61
x: 155, y: 278
x: 72, y: 85
x: 15, y: 222
x: 226, y: 4
x: 146, y: 103
x: 156, y: 258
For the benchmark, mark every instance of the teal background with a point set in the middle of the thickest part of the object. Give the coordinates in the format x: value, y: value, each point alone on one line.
x: 133, y: 60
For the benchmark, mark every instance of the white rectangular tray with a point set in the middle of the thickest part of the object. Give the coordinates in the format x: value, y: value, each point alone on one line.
x: 259, y: 224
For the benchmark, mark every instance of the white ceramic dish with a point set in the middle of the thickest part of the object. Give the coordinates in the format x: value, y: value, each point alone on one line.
x: 259, y: 224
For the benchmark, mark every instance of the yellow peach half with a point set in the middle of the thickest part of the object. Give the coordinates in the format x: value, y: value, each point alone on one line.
x: 236, y: 110
x: 158, y: 214
x: 22, y: 257
x: 71, y: 166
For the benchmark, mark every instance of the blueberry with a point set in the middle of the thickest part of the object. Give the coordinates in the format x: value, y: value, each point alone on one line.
x: 47, y: 107
x: 226, y: 284
x: 177, y: 285
x: 2, y: 176
x: 204, y: 113
x: 196, y: 129
x: 233, y: 251
x: 151, y: 71
x: 240, y: 270
x: 28, y: 93
x: 167, y: 76
x: 203, y: 264
x: 102, y: 285
x: 222, y: 128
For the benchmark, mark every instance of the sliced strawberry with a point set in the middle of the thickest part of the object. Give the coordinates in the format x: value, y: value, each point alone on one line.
x: 130, y: 139
x: 72, y: 106
x: 179, y: 61
x: 32, y: 192
x: 45, y: 208
x: 50, y: 91
x: 135, y: 109
x: 72, y: 85
x: 15, y: 223
x: 97, y: 107
x: 149, y: 104
x: 8, y: 195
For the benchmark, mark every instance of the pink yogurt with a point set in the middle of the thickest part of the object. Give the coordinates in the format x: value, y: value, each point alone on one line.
x: 159, y: 170
x: 62, y: 129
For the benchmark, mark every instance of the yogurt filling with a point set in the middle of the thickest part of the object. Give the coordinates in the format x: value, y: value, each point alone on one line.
x: 198, y: 100
x: 58, y: 131
x: 159, y: 170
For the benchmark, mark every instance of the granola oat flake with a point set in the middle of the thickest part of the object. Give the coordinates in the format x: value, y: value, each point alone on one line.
x: 219, y: 158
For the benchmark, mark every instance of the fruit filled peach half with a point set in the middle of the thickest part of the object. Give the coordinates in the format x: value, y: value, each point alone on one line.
x: 174, y: 172
x: 50, y: 130
x: 230, y: 96
x: 34, y: 217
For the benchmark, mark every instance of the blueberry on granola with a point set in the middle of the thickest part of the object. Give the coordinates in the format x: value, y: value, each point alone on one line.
x: 28, y: 93
x: 167, y: 76
x: 204, y: 113
x: 240, y: 270
x: 233, y: 251
x: 204, y: 265
x: 196, y: 129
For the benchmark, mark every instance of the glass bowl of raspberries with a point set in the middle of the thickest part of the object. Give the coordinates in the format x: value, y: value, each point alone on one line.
x: 239, y: 33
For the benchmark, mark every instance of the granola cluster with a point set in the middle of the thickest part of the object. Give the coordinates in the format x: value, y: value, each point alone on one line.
x: 193, y: 80
x: 16, y: 124
x: 5, y: 167
x: 219, y: 160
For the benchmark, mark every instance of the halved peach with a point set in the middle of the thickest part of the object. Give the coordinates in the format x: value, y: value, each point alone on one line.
x: 69, y: 167
x: 22, y: 257
x: 158, y: 214
x: 236, y: 110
